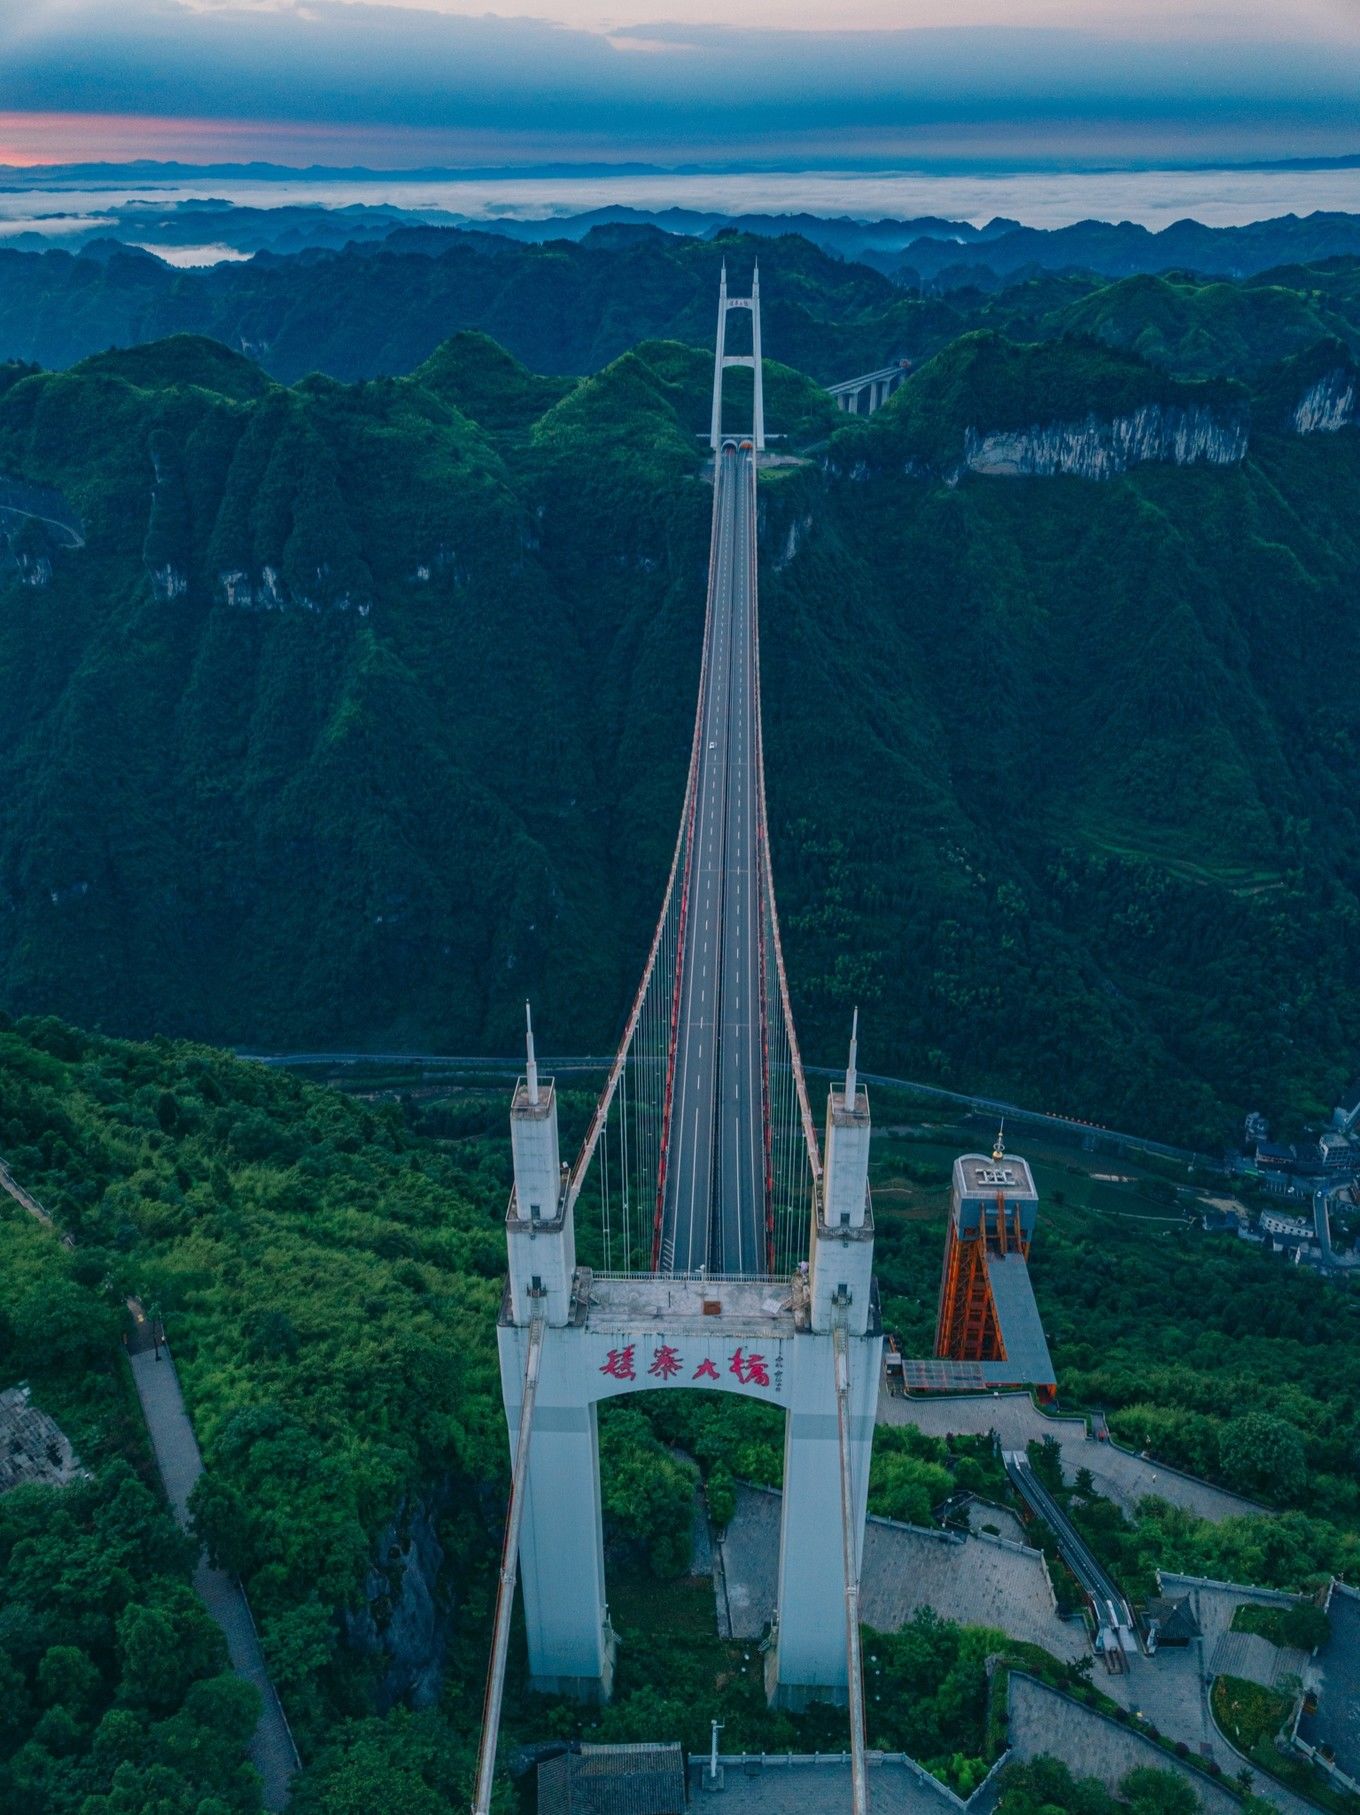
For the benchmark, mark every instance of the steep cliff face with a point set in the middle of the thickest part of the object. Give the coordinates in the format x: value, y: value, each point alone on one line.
x: 1099, y: 448
x: 269, y: 591
x: 403, y: 1618
x: 1327, y: 405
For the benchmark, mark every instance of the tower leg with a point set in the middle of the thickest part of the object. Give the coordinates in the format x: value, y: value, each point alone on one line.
x: 561, y: 1546
x: 758, y: 368
x: 808, y: 1661
x: 715, y: 435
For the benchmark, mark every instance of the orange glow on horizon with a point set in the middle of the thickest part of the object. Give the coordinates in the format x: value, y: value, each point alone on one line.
x: 82, y: 138
x: 29, y: 139
x: 34, y: 139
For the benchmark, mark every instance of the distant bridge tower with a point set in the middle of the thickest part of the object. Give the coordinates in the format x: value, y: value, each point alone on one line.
x: 722, y: 359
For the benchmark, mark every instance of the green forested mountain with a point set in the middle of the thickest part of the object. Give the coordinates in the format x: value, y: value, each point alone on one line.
x: 363, y: 710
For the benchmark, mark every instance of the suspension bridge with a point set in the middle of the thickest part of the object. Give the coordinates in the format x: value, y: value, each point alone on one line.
x: 730, y: 1248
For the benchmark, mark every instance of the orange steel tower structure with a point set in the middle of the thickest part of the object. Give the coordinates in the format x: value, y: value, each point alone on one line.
x: 987, y: 1311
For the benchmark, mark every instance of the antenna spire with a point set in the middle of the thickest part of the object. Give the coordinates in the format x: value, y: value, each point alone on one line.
x: 532, y: 1066
x: 999, y: 1150
x: 851, y: 1079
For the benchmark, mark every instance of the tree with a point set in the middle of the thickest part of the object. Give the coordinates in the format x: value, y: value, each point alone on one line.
x: 299, y: 1642
x: 207, y: 1738
x: 1149, y: 1791
x: 1306, y: 1625
x: 722, y: 1496
x: 151, y: 1789
x: 1262, y: 1454
x: 68, y: 1675
x: 164, y: 1646
x: 1045, y: 1458
x: 1045, y: 1786
x: 60, y: 1321
x: 218, y: 1515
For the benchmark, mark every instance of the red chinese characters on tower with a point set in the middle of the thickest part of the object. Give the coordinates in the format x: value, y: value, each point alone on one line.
x: 706, y: 1370
x: 665, y: 1362
x: 749, y: 1369
x: 618, y: 1364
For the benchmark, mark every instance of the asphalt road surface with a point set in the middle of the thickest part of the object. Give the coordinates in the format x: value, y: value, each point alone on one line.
x: 714, y: 1212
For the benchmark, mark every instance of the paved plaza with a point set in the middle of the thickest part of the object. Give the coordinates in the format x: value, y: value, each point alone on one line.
x: 976, y: 1581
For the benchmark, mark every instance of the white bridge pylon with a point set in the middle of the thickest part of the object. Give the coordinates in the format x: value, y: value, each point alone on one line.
x: 767, y: 1337
x: 722, y: 359
x: 798, y: 1330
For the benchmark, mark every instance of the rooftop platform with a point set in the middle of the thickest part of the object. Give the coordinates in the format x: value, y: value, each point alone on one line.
x: 679, y: 1301
x: 979, y: 1175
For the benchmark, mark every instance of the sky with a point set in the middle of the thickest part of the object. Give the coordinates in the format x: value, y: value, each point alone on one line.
x: 813, y: 83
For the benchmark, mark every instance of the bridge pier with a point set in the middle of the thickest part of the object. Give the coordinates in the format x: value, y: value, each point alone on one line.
x: 807, y: 1662
x: 810, y: 1657
x: 561, y: 1544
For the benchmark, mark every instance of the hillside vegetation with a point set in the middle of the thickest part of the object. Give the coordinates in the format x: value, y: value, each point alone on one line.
x: 329, y: 1272
x: 363, y: 710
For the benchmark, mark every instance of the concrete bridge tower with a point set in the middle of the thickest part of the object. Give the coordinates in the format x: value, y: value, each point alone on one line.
x: 722, y: 359
x: 810, y: 1345
x: 561, y: 1550
x: 829, y: 1434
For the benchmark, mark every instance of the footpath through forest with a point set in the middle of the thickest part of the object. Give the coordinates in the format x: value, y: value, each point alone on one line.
x: 177, y: 1457
x: 272, y: 1750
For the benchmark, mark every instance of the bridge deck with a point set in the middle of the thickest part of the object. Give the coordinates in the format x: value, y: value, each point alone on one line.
x: 714, y: 1209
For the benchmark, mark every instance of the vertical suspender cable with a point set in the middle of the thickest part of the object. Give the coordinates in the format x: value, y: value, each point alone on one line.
x: 859, y: 1785
x: 505, y: 1595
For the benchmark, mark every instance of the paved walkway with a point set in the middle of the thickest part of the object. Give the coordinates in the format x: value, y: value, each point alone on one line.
x: 1126, y: 1479
x: 177, y: 1456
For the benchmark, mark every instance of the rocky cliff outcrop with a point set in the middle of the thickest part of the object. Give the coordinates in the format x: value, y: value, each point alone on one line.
x: 1099, y: 448
x: 168, y: 581
x: 268, y: 591
x: 402, y: 1618
x: 1328, y: 404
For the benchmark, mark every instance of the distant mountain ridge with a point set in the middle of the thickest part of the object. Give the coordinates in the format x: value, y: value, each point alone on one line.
x: 382, y: 307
